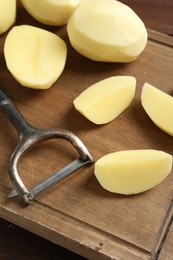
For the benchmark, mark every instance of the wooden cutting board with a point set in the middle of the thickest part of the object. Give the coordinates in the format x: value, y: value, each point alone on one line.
x: 77, y: 213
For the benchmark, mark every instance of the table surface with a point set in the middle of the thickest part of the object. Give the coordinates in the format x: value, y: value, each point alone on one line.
x: 16, y: 243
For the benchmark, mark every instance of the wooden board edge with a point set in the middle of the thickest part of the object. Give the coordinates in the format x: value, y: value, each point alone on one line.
x: 167, y: 250
x: 66, y: 231
x: 160, y: 37
x: 164, y: 231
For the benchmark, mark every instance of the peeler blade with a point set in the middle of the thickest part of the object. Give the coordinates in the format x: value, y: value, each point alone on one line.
x: 53, y: 179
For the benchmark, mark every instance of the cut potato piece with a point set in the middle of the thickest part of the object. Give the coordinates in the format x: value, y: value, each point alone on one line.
x: 159, y: 107
x: 35, y: 57
x: 107, y: 31
x: 132, y: 171
x: 7, y: 14
x: 56, y: 12
x: 105, y: 100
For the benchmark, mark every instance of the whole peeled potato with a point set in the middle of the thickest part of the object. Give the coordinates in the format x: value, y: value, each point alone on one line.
x: 107, y: 30
x: 50, y: 12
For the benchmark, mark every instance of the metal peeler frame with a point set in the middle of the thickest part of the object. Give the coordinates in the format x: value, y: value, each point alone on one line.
x: 29, y: 136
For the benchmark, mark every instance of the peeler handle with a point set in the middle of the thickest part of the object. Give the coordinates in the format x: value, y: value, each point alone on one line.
x: 13, y: 114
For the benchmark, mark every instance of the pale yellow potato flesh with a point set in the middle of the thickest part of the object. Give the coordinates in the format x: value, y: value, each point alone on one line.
x: 51, y: 12
x: 159, y: 107
x: 132, y: 171
x: 7, y: 14
x: 35, y: 57
x: 107, y: 31
x: 105, y: 100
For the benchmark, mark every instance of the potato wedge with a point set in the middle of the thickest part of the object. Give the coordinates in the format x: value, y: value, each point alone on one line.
x: 159, y: 107
x: 132, y: 171
x: 106, y: 99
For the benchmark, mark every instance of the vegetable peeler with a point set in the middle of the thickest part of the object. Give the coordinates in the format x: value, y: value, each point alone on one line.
x: 30, y: 136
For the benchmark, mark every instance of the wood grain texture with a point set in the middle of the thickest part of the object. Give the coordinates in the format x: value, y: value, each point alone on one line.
x: 77, y: 213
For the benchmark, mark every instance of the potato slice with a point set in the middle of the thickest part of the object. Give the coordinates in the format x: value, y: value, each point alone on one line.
x: 159, y: 107
x: 35, y: 57
x: 105, y: 100
x: 7, y: 14
x: 50, y: 12
x: 107, y: 31
x: 132, y: 171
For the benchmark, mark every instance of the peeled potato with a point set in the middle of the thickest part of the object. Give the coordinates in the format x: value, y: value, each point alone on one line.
x: 159, y: 107
x: 106, y: 99
x: 35, y: 57
x: 7, y: 14
x: 107, y: 31
x: 132, y: 171
x: 56, y: 12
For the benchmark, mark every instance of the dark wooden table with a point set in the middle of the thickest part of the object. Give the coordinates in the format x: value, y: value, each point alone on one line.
x: 16, y: 243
